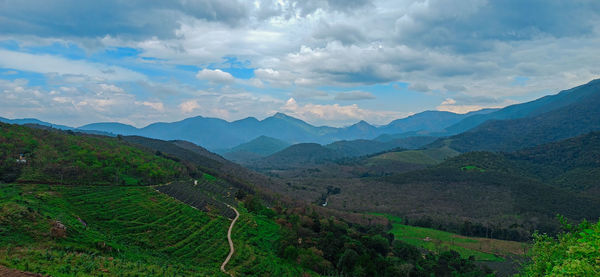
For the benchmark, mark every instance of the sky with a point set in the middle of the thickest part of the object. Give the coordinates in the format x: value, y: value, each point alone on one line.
x: 328, y: 62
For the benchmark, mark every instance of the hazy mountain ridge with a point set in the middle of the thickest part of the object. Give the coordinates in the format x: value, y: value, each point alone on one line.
x: 528, y: 109
x: 580, y: 116
x: 215, y: 134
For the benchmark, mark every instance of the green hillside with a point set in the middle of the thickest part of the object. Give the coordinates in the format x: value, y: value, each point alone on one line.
x: 580, y: 117
x: 52, y: 156
x: 261, y: 146
x: 571, y: 164
x: 107, y: 231
x: 423, y: 157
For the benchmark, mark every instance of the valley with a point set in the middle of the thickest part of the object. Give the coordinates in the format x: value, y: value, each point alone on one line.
x: 75, y: 202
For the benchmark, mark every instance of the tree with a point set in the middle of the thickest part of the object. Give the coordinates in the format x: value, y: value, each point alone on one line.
x: 575, y: 252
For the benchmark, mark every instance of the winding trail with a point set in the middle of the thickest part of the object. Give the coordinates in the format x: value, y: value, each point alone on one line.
x: 231, y: 248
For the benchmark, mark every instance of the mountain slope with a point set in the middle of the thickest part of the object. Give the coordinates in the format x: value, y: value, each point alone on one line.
x: 110, y: 127
x: 573, y: 164
x: 578, y: 118
x: 52, y: 156
x: 428, y: 121
x: 262, y: 146
x: 23, y: 121
x: 355, y: 148
x: 532, y: 108
x: 298, y: 155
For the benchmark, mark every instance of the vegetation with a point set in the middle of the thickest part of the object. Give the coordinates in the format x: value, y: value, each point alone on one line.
x: 259, y: 147
x: 106, y: 230
x: 557, y: 122
x: 332, y: 247
x: 481, y: 249
x: 575, y: 252
x: 425, y: 156
x: 206, y: 194
x: 58, y: 157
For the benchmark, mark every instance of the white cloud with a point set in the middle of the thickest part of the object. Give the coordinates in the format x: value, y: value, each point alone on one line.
x: 189, y: 106
x: 159, y: 106
x: 59, y: 65
x: 338, y: 115
x: 215, y: 76
x: 450, y: 105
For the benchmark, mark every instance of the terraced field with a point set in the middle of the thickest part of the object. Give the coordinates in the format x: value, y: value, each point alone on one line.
x: 255, y: 239
x: 254, y: 236
x: 207, y: 194
x: 107, y: 231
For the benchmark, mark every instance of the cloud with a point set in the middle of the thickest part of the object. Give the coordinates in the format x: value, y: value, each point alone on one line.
x: 189, y: 106
x: 474, y: 25
x: 354, y: 95
x: 471, y: 51
x: 337, y: 115
x: 134, y: 18
x: 420, y: 87
x: 215, y: 76
x: 48, y: 64
x: 159, y: 106
x: 342, y: 32
x: 450, y: 105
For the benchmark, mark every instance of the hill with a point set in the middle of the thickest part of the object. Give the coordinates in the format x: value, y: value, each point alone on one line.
x: 356, y: 148
x: 568, y: 121
x: 92, y: 227
x: 51, y: 156
x: 299, y: 155
x: 486, y: 194
x: 306, y: 154
x: 23, y: 121
x: 259, y: 147
x: 529, y: 109
x: 110, y: 127
x: 570, y: 164
x: 429, y: 121
x: 123, y: 231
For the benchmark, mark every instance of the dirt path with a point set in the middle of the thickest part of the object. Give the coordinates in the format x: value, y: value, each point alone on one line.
x: 231, y: 248
x: 9, y: 272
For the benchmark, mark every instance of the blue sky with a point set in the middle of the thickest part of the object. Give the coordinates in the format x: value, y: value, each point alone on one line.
x: 329, y: 62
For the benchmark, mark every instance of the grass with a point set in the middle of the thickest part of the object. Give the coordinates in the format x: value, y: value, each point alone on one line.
x: 123, y: 231
x: 481, y: 249
x: 472, y: 168
x: 209, y: 177
x: 129, y: 231
x: 257, y: 236
x: 424, y: 157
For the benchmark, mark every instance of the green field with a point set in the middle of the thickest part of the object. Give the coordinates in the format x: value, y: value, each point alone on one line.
x: 481, y: 249
x: 425, y: 157
x: 125, y: 231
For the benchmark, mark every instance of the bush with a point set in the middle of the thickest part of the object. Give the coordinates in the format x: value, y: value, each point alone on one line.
x: 575, y: 252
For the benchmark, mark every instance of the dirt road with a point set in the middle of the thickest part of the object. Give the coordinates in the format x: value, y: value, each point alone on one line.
x: 231, y: 248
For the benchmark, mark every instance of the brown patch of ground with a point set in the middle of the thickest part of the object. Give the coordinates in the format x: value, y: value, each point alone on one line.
x: 9, y: 272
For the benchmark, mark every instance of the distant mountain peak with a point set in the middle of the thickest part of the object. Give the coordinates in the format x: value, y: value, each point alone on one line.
x: 281, y: 115
x: 361, y: 124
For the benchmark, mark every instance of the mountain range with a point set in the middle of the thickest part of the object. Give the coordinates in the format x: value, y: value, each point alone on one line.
x: 220, y: 135
x: 487, y: 129
x: 568, y: 114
